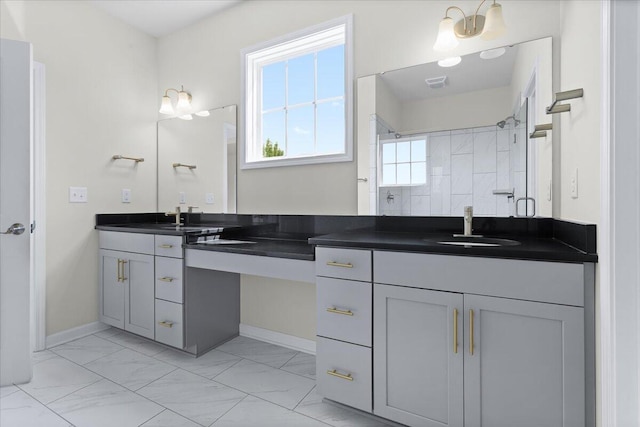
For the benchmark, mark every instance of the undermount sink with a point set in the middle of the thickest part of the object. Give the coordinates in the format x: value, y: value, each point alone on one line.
x: 476, y: 241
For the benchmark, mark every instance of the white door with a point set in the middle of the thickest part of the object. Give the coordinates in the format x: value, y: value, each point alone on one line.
x: 15, y: 211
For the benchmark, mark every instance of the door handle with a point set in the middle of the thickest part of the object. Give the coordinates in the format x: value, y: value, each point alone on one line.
x: 16, y: 229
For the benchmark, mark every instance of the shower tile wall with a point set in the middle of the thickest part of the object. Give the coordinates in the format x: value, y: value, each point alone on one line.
x: 464, y: 168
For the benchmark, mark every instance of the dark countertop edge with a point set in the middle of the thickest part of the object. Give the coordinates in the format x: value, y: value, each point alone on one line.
x: 139, y: 230
x: 575, y: 256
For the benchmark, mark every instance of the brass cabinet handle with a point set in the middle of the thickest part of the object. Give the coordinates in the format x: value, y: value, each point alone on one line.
x: 123, y: 262
x: 166, y: 279
x: 338, y: 311
x: 455, y: 330
x: 166, y: 324
x: 165, y: 246
x: 119, y: 267
x: 335, y: 373
x: 471, y: 332
x: 340, y: 264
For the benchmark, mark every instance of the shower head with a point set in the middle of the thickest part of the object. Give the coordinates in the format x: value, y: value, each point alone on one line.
x: 501, y: 124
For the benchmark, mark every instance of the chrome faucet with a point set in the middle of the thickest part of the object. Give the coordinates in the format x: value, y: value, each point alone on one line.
x: 175, y: 214
x: 191, y: 208
x: 468, y: 220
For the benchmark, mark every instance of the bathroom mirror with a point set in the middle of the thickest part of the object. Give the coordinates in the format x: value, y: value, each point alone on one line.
x: 197, y: 162
x: 433, y: 139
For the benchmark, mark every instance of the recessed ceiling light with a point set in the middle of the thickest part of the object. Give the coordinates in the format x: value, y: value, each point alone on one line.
x: 492, y: 53
x: 449, y: 62
x: 436, y: 82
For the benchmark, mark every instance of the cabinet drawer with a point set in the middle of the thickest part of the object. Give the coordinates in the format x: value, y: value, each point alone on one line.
x: 344, y: 310
x: 344, y: 373
x: 126, y: 242
x: 169, y: 324
x: 170, y: 246
x: 169, y: 279
x: 354, y: 264
x: 553, y: 282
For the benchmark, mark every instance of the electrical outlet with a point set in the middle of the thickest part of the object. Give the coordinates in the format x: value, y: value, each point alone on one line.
x: 209, y: 198
x: 574, y: 184
x: 78, y: 195
x: 182, y: 197
x: 126, y: 195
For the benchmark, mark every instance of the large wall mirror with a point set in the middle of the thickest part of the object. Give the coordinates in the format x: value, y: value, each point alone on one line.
x: 197, y: 162
x: 433, y: 138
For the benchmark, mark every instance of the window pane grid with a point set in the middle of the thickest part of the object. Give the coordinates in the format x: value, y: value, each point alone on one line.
x: 404, y: 162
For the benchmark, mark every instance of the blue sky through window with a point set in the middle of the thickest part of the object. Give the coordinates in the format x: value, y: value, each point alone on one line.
x: 303, y: 103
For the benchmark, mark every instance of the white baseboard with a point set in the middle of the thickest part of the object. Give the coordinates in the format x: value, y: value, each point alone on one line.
x: 75, y: 333
x: 278, y: 338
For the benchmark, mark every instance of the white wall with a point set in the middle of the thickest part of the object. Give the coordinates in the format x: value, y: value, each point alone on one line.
x: 101, y: 91
x: 580, y: 128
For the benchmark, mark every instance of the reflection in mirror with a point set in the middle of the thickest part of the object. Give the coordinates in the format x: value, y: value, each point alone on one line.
x: 209, y: 144
x: 437, y: 139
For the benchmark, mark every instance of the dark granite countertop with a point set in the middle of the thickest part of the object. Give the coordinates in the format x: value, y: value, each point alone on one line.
x: 530, y: 248
x: 294, y: 236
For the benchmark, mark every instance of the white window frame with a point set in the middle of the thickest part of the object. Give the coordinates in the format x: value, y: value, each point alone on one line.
x: 250, y: 108
x: 410, y: 162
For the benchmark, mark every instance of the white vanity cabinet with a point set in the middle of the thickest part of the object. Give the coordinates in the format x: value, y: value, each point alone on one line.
x: 126, y: 282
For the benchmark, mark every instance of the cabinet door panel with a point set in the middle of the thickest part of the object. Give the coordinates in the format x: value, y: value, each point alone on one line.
x: 417, y: 373
x: 139, y: 296
x: 527, y: 367
x: 111, y: 290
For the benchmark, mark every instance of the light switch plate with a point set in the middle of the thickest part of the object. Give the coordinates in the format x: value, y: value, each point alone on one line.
x: 126, y: 195
x: 208, y: 198
x: 78, y: 195
x: 182, y: 197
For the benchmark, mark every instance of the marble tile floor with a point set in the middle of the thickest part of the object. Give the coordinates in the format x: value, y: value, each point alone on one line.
x: 113, y: 378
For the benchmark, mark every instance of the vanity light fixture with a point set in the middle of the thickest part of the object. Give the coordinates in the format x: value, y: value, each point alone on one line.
x: 450, y: 62
x: 488, y: 28
x: 183, y: 106
x: 436, y: 82
x: 203, y: 113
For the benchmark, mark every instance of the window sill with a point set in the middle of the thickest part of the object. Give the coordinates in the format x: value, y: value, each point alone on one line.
x: 296, y: 161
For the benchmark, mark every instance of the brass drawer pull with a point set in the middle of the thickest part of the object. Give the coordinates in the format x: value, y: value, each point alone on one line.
x: 339, y: 375
x: 340, y: 264
x: 166, y: 324
x: 165, y: 246
x: 471, y: 332
x: 455, y: 330
x: 338, y: 311
x: 166, y: 279
x: 122, y: 263
x: 119, y: 268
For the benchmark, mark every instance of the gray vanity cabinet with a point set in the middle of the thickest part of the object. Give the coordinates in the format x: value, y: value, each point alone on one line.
x: 526, y: 366
x: 127, y: 282
x: 127, y: 291
x: 418, y: 353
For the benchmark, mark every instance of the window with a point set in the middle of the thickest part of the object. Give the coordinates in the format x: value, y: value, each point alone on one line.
x: 404, y: 162
x: 298, y: 102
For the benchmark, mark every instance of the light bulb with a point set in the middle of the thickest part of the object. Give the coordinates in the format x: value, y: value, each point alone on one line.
x: 184, y: 102
x: 494, y: 26
x: 186, y: 117
x: 447, y: 39
x: 166, y: 107
x: 449, y: 62
x: 203, y: 113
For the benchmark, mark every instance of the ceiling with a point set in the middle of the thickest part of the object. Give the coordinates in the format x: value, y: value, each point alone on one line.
x: 472, y: 74
x: 161, y: 17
